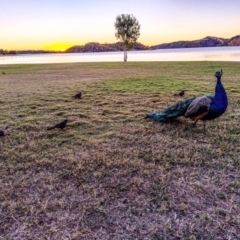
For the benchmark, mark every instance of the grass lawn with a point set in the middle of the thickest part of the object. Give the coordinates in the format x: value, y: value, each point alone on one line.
x: 111, y: 174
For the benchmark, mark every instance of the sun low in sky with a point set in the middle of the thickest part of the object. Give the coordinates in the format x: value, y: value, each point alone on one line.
x: 58, y: 46
x: 60, y: 24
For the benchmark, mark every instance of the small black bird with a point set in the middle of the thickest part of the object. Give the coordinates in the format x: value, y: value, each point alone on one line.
x: 59, y: 125
x: 3, y: 73
x: 181, y: 93
x: 78, y: 95
x: 2, y: 131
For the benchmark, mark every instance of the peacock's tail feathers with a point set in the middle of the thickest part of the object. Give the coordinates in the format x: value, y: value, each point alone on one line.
x: 174, y: 111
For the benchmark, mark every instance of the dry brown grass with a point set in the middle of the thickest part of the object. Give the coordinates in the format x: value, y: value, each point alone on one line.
x: 110, y: 174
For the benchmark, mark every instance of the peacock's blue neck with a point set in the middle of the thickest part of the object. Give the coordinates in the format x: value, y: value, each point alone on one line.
x: 220, y: 97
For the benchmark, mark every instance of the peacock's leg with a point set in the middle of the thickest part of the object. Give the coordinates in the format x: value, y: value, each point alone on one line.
x: 204, y: 127
x: 194, y: 124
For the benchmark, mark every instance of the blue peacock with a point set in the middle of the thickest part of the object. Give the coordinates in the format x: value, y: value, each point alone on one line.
x: 200, y: 108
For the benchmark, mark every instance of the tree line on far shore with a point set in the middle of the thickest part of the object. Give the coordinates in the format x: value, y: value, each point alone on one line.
x: 5, y: 52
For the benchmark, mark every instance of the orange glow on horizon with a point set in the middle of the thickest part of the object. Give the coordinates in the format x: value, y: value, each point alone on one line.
x: 58, y: 47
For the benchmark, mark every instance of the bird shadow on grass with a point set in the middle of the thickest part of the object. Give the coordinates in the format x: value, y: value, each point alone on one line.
x: 176, y: 127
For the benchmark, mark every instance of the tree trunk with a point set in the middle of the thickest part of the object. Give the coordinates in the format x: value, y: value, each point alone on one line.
x: 125, y: 54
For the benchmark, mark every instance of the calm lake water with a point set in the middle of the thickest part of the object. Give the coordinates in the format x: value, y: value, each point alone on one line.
x: 182, y: 54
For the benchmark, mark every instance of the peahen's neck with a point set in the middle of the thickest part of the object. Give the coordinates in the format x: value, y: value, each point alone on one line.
x: 220, y: 97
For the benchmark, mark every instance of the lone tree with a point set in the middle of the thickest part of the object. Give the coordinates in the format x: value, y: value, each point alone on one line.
x: 127, y: 30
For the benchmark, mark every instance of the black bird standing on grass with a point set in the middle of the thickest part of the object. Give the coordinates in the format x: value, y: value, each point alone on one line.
x: 78, y: 95
x: 2, y: 131
x: 59, y: 125
x: 181, y: 93
x: 3, y: 73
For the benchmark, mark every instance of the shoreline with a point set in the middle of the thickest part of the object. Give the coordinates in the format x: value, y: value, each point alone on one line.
x: 222, y: 54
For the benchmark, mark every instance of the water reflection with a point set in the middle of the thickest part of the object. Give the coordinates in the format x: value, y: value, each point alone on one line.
x: 183, y: 54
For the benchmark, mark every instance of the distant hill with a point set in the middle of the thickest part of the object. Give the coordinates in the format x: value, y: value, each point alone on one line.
x: 204, y: 42
x: 234, y: 41
x: 105, y: 47
x: 110, y: 47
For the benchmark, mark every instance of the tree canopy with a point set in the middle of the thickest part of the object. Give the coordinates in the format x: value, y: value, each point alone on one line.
x: 127, y: 30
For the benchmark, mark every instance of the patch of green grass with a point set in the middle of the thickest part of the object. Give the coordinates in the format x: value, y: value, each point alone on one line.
x: 110, y: 172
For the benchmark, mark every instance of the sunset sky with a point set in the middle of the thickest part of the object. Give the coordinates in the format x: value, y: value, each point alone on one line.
x: 60, y: 24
